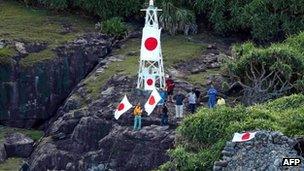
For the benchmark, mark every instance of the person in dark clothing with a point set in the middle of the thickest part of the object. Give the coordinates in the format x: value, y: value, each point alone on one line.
x: 179, y: 104
x: 170, y: 85
x: 198, y: 94
x: 165, y: 116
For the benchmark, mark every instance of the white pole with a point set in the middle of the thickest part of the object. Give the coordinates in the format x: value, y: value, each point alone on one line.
x: 151, y: 3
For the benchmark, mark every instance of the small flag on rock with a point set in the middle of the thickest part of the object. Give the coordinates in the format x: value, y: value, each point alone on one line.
x: 122, y: 107
x: 243, y: 136
x: 152, y: 101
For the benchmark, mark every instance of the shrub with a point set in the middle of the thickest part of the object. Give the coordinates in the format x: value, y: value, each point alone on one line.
x: 114, y: 27
x: 204, y: 134
x: 267, y: 73
x: 266, y: 20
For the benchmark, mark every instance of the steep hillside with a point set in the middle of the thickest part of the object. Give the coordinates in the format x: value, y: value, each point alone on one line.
x: 42, y: 57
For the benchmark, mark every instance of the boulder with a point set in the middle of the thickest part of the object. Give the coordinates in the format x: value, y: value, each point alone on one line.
x: 18, y: 145
x: 264, y: 152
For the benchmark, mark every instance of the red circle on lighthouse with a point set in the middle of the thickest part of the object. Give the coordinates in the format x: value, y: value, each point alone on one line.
x: 151, y: 43
x: 149, y: 82
x: 121, y: 106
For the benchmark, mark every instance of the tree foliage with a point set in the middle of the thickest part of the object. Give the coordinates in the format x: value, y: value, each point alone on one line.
x: 265, y: 19
x: 267, y: 73
x: 202, y: 136
x: 175, y: 19
x: 114, y: 27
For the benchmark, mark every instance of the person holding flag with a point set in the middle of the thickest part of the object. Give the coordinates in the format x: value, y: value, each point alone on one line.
x: 137, y: 117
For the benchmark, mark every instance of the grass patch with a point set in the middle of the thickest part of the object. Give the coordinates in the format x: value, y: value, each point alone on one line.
x: 36, y: 57
x: 200, y: 78
x: 175, y: 49
x: 11, y: 164
x: 34, y: 134
x: 7, y: 52
x: 38, y: 25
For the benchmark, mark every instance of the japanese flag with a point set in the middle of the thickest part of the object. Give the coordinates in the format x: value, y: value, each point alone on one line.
x: 243, y: 136
x: 149, y: 83
x: 152, y: 101
x: 150, y: 45
x: 122, y: 107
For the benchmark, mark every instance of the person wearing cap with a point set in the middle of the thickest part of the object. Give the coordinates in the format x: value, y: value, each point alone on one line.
x: 170, y: 85
x: 137, y: 117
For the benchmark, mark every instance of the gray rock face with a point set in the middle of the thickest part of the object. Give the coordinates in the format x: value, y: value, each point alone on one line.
x: 18, y: 145
x: 264, y: 152
x: 89, y: 138
x: 3, y: 155
x: 32, y: 94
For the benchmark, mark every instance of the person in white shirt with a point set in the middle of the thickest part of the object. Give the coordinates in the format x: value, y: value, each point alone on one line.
x: 192, y: 99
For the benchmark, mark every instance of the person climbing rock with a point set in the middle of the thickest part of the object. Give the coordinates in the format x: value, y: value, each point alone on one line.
x: 170, y: 85
x: 179, y: 104
x: 137, y: 117
x: 163, y: 95
x: 212, y: 93
x: 192, y: 100
x: 164, y: 116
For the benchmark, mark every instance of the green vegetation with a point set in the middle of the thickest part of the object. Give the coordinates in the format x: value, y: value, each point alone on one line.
x: 265, y: 20
x: 270, y: 72
x: 114, y: 27
x: 5, y: 54
x: 203, y: 135
x: 11, y: 164
x: 175, y: 19
x: 36, y: 25
x: 175, y: 49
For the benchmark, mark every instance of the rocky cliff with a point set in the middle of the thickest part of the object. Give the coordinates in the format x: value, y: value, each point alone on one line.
x: 84, y: 137
x: 31, y: 94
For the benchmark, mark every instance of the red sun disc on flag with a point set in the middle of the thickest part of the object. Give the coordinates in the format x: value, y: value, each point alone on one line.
x: 152, y: 100
x: 121, y: 106
x: 151, y: 43
x: 246, y: 136
x: 149, y: 82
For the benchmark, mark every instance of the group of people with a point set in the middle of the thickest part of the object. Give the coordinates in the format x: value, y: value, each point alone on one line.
x: 168, y: 96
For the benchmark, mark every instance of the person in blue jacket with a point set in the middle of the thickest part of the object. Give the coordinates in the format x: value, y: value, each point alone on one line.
x: 212, y: 93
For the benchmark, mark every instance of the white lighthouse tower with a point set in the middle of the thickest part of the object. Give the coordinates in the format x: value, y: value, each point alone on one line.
x: 151, y: 70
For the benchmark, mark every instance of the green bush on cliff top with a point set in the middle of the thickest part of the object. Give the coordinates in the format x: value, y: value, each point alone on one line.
x: 203, y: 135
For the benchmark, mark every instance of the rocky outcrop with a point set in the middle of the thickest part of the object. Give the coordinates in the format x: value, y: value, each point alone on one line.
x: 18, y: 145
x: 264, y: 152
x: 87, y: 137
x: 3, y: 155
x: 31, y: 94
